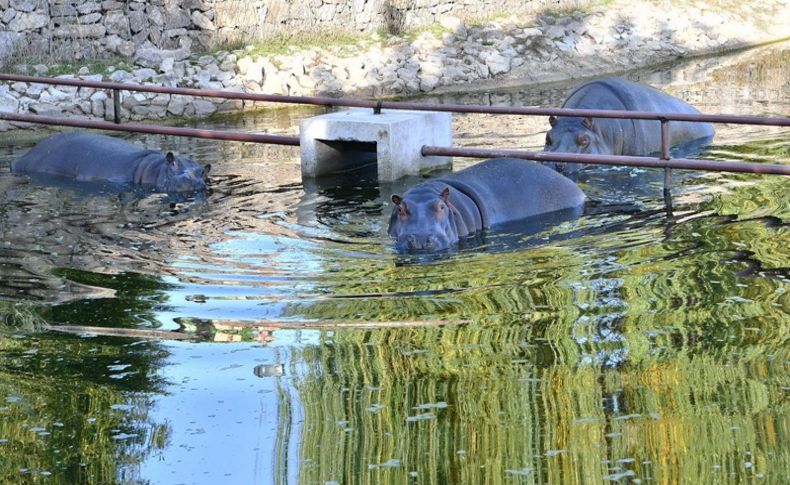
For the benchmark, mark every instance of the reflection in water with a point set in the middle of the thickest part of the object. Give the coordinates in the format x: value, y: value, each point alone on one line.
x: 626, y: 344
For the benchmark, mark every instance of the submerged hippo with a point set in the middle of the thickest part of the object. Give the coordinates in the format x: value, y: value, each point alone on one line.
x: 607, y: 136
x: 433, y: 215
x: 88, y: 157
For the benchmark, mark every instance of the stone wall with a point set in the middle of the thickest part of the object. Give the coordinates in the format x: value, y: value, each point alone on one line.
x: 622, y: 35
x: 85, y: 29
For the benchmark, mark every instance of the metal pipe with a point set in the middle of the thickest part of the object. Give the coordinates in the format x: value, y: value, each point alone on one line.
x: 156, y: 129
x: 665, y: 143
x: 116, y: 105
x: 681, y: 163
x: 361, y: 103
x: 677, y: 163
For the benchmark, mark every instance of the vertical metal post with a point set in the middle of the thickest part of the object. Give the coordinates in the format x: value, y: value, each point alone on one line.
x: 665, y: 154
x: 116, y: 105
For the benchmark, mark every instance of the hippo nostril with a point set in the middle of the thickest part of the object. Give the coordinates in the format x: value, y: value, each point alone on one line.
x: 411, y: 240
x: 431, y: 243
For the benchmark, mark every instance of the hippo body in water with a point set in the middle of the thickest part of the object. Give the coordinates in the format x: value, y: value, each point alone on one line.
x: 87, y: 157
x: 607, y: 136
x: 435, y: 214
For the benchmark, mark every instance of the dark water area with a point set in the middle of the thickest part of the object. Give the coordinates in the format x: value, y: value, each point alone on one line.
x: 631, y: 344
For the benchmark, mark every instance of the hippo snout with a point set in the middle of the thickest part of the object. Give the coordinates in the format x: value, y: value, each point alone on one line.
x: 422, y: 242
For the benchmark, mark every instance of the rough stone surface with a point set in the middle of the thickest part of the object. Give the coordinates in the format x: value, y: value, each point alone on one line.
x: 161, y: 37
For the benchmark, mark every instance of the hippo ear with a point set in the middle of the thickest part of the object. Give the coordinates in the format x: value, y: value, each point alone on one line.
x: 445, y: 195
x: 552, y: 120
x: 207, y: 169
x: 397, y: 199
x: 170, y: 158
x: 587, y: 122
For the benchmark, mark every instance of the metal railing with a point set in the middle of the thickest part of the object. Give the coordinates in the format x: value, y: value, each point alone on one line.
x: 664, y: 161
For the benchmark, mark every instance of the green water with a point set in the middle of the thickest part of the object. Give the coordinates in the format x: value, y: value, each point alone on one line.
x: 636, y: 344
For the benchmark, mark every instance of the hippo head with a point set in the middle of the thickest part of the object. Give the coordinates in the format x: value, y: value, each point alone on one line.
x: 178, y: 174
x: 423, y: 220
x: 573, y: 135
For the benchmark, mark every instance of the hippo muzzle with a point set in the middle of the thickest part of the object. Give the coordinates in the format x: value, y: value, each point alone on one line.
x: 436, y: 241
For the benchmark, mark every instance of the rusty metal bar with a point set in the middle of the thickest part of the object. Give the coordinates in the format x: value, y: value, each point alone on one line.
x: 650, y: 162
x: 116, y: 105
x: 665, y: 143
x: 155, y: 129
x: 361, y: 103
x: 680, y: 163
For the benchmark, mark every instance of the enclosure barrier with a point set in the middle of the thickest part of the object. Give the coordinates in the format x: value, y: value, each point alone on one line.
x: 665, y: 161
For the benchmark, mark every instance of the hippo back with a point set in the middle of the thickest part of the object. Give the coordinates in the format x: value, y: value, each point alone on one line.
x: 84, y: 157
x: 507, y: 189
x: 636, y: 137
x: 87, y: 157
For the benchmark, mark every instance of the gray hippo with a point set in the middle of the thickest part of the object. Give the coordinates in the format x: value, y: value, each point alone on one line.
x: 433, y: 215
x: 87, y: 157
x: 607, y: 136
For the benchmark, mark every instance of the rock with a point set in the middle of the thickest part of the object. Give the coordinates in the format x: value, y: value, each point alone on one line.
x: 167, y: 64
x: 46, y: 109
x: 99, y: 96
x: 8, y: 103
x: 120, y: 76
x: 428, y: 83
x: 134, y: 99
x: 8, y: 45
x: 112, y: 5
x: 137, y: 21
x: 251, y: 69
x: 97, y: 108
x: 203, y: 107
x: 84, y: 71
x: 144, y: 74
x: 91, y: 18
x: 54, y: 95
x: 203, y: 22
x: 27, y: 21
x: 23, y: 5
x: 529, y: 32
x: 8, y: 15
x: 556, y: 32
x: 149, y: 56
x: 155, y: 16
x: 126, y: 48
x: 117, y: 23
x: 86, y: 7
x: 94, y: 31
x: 495, y: 61
x: 160, y: 99
x: 176, y: 105
x: 35, y: 89
x: 176, y: 18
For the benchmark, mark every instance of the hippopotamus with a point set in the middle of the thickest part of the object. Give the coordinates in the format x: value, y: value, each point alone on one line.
x: 87, y: 157
x: 607, y: 136
x: 435, y: 214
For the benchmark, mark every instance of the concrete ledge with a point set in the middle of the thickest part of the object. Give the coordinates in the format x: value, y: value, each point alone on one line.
x: 336, y: 142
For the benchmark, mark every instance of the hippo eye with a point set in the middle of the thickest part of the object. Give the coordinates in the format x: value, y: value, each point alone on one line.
x: 582, y: 140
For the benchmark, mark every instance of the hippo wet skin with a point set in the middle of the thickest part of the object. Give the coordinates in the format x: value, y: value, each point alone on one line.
x: 87, y: 157
x: 606, y: 136
x: 435, y: 214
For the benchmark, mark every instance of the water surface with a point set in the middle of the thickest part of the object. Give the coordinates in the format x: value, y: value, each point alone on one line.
x: 634, y: 344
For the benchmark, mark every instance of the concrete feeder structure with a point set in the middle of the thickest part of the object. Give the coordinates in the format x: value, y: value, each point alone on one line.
x: 336, y: 142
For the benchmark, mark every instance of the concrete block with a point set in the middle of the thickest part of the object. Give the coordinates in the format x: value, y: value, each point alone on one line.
x: 336, y: 142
